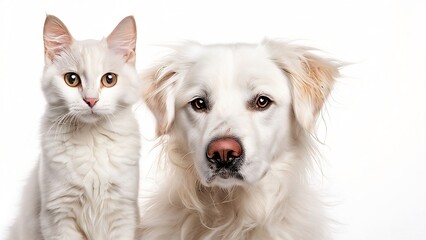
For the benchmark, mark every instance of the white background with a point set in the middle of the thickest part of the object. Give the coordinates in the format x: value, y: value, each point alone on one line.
x: 375, y: 135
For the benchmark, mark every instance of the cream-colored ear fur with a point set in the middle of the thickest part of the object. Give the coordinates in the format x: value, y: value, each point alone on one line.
x: 159, y: 95
x: 161, y: 82
x: 312, y: 78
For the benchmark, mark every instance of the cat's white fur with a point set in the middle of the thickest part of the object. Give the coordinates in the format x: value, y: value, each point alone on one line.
x: 274, y: 198
x: 85, y: 185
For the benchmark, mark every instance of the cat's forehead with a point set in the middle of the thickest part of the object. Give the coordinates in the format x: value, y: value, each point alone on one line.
x: 89, y: 57
x: 94, y: 55
x: 90, y: 48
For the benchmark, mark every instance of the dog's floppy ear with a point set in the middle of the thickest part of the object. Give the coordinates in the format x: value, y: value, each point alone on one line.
x: 312, y: 78
x: 159, y: 94
x: 161, y: 82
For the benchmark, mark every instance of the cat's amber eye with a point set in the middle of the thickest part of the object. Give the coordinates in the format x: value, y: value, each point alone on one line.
x: 72, y: 79
x: 109, y: 79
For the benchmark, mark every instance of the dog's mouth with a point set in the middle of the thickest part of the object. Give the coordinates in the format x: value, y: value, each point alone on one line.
x: 224, y: 174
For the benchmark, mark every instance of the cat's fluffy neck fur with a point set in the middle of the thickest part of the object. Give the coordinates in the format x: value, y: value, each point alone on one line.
x: 56, y: 121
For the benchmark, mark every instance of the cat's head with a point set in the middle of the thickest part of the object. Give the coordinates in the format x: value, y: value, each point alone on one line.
x: 90, y: 80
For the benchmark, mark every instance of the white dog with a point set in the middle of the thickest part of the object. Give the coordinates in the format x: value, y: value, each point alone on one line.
x: 237, y: 120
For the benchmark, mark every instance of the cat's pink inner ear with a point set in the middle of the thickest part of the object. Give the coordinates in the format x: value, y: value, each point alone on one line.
x: 56, y: 36
x: 122, y: 40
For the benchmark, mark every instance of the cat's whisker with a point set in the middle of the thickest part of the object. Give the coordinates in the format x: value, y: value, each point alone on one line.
x: 71, y: 122
x: 122, y: 106
x: 66, y: 122
x: 57, y: 107
x: 57, y: 119
x: 52, y: 125
x: 61, y: 123
x: 56, y: 123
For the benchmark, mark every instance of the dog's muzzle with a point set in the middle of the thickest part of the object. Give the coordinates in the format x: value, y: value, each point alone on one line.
x: 225, y: 155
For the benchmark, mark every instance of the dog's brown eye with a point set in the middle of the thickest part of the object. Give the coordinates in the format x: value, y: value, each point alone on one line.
x: 199, y: 104
x: 72, y: 79
x: 263, y: 102
x: 109, y: 79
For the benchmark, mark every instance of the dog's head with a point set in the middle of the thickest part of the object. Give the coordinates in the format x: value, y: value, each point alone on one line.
x: 237, y: 107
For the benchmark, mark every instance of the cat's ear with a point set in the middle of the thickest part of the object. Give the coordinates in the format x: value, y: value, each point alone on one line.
x: 122, y: 39
x: 56, y: 37
x: 312, y: 78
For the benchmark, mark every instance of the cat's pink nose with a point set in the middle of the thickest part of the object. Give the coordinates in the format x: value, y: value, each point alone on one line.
x: 91, y: 101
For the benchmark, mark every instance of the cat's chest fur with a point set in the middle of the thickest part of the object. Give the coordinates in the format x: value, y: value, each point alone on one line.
x: 90, y: 171
x: 93, y: 156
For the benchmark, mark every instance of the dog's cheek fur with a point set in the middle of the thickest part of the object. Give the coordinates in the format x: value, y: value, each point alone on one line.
x: 259, y: 143
x: 192, y: 134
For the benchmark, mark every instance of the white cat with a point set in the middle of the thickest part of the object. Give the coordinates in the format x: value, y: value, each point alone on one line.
x: 85, y: 185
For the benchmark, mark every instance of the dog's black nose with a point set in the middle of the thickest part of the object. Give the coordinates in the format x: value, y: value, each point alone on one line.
x: 223, y: 152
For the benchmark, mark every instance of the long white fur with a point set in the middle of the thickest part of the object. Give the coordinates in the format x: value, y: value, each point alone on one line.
x: 85, y: 185
x: 276, y: 200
